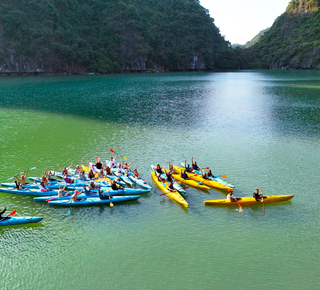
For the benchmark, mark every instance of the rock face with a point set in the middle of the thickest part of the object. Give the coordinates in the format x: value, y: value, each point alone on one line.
x: 83, y: 36
x: 293, y: 41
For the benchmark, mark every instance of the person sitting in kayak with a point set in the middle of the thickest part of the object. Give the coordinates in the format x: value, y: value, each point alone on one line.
x: 42, y: 186
x: 171, y: 169
x: 184, y: 175
x: 136, y: 174
x: 126, y: 166
x: 256, y: 195
x: 168, y: 176
x: 194, y: 165
x: 91, y: 175
x: 204, y: 175
x: 87, y: 191
x: 2, y: 218
x: 92, y: 186
x: 22, y: 179
x: 104, y: 196
x: 82, y: 176
x: 101, y: 174
x: 209, y: 173
x: 170, y: 187
x: 74, y: 197
x: 67, y: 179
x: 230, y: 197
x: 108, y: 171
x: 158, y: 171
x: 77, y: 170
x: 187, y: 167
x: 119, y: 170
x: 62, y: 190
x: 114, y: 186
x: 112, y: 162
x: 65, y: 169
x: 49, y: 174
x: 99, y: 164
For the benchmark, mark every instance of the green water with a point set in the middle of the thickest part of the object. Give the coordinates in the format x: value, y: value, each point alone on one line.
x: 261, y: 128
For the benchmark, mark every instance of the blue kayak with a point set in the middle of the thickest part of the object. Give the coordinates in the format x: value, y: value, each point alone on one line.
x: 93, y: 201
x: 120, y: 192
x: 20, y: 220
x: 29, y: 191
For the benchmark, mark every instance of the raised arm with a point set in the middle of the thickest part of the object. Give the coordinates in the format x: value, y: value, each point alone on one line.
x: 70, y: 166
x: 116, y: 157
x: 130, y: 163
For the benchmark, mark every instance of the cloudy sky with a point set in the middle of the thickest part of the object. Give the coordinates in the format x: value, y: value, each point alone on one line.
x: 240, y: 20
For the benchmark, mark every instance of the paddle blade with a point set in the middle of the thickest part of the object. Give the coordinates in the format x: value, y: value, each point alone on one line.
x: 185, y: 187
x: 13, y: 213
x: 111, y: 151
x: 49, y: 199
x: 207, y: 168
x: 200, y: 182
x: 69, y: 211
x: 224, y: 176
x: 10, y: 178
x: 144, y: 180
x: 111, y: 204
x: 32, y: 168
x: 163, y: 194
x: 240, y: 207
x: 125, y: 158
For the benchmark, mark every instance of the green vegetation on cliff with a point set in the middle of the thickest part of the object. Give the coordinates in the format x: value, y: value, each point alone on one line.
x: 292, y: 42
x: 109, y: 36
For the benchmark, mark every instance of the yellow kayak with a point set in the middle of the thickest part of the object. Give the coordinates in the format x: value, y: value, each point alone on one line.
x: 249, y: 200
x: 173, y: 195
x: 208, y: 182
x: 190, y: 182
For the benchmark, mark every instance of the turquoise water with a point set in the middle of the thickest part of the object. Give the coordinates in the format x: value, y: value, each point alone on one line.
x: 261, y: 128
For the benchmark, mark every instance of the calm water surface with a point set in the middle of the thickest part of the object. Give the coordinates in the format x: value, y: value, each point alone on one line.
x: 261, y: 128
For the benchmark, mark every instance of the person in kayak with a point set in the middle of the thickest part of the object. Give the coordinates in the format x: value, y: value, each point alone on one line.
x: 170, y: 187
x: 82, y: 176
x: 204, y: 175
x: 108, y: 171
x: 2, y: 218
x: 91, y: 175
x: 126, y: 166
x: 74, y: 197
x: 42, y: 186
x: 49, y: 174
x: 99, y: 164
x: 230, y: 197
x: 187, y: 167
x: 168, y: 176
x: 136, y: 174
x: 158, y: 171
x: 194, y: 165
x: 65, y: 169
x: 92, y: 186
x: 87, y: 191
x: 114, y: 186
x: 119, y: 170
x: 101, y: 174
x: 67, y: 179
x: 62, y: 190
x: 184, y: 175
x: 112, y: 162
x: 22, y: 179
x: 171, y: 169
x: 256, y: 195
x: 104, y: 196
x: 78, y: 169
x: 209, y: 174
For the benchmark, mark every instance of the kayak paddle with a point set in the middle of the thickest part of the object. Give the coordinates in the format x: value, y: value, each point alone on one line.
x: 13, y: 213
x: 22, y: 172
x: 125, y: 158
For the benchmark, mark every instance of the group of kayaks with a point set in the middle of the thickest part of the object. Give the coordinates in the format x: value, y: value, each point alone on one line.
x: 104, y: 194
x: 195, y: 178
x: 198, y: 179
